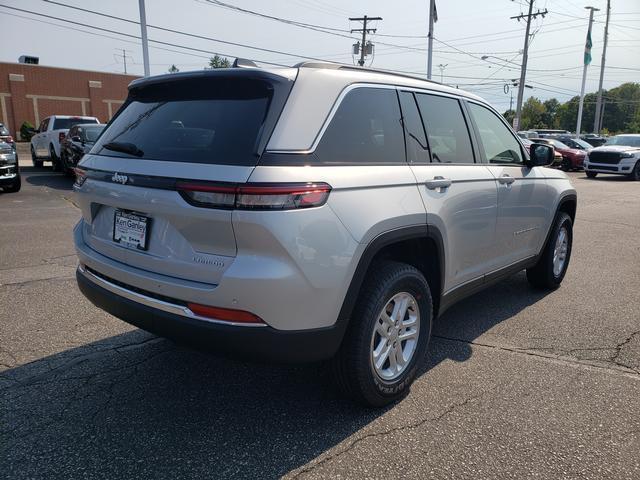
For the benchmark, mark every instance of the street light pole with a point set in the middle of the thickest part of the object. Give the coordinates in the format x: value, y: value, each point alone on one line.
x: 145, y: 42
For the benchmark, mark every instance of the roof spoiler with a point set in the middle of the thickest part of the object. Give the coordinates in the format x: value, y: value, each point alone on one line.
x: 243, y: 63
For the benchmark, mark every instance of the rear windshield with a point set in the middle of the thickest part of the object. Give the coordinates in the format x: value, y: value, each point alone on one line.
x: 67, y: 123
x: 217, y: 121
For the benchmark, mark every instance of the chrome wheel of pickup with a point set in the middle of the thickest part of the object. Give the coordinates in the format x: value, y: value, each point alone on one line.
x: 395, y: 336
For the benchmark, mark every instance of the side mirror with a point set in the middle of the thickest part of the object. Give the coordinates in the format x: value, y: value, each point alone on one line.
x: 540, y: 155
x: 76, y: 139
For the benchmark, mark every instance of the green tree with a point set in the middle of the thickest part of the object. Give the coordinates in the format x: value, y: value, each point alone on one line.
x: 173, y: 69
x: 531, y: 115
x: 218, y: 62
x: 550, y: 110
x: 509, y: 115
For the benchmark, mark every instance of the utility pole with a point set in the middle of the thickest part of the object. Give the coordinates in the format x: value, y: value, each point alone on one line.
x: 442, y: 67
x: 525, y: 56
x: 124, y: 59
x: 597, y: 122
x: 145, y: 42
x: 364, y: 30
x: 587, y: 61
x: 433, y: 18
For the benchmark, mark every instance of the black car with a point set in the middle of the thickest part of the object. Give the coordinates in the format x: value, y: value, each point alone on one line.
x: 593, y: 139
x: 78, y: 141
x: 573, y: 142
x: 6, y: 137
x: 9, y: 170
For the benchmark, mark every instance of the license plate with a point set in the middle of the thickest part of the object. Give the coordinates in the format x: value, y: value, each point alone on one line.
x: 130, y: 229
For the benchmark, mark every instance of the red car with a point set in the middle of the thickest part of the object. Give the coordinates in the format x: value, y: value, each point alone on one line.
x: 572, y: 158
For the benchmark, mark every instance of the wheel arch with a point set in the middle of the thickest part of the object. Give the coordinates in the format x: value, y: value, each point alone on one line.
x: 418, y: 245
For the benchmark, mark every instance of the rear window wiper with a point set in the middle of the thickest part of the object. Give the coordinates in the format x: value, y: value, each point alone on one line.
x: 124, y: 147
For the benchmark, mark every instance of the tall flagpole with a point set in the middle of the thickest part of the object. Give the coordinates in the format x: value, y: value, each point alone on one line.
x: 587, y: 61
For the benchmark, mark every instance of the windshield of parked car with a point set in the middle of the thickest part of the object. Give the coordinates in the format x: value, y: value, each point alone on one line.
x: 92, y: 133
x: 577, y: 143
x: 556, y: 143
x: 66, y: 123
x: 624, y: 140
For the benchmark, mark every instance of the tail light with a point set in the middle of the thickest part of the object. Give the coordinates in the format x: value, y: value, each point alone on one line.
x: 61, y: 136
x: 255, y: 196
x: 224, y: 314
x: 81, y: 176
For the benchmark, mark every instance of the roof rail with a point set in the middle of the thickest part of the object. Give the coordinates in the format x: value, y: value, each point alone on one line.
x: 339, y: 66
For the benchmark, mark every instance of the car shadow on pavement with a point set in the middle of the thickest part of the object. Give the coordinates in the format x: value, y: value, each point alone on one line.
x: 46, y: 178
x: 137, y: 406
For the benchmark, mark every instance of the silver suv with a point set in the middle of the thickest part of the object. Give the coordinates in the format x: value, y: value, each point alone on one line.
x: 310, y: 213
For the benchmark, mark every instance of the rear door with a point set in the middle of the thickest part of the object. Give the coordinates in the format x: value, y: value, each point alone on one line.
x: 459, y: 193
x: 524, y: 201
x: 202, y: 129
x: 40, y: 144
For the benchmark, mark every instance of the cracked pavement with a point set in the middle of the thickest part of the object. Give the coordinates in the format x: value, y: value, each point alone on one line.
x: 518, y: 383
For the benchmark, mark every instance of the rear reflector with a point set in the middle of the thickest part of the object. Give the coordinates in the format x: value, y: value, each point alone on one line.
x: 224, y: 314
x: 255, y: 196
x: 81, y: 176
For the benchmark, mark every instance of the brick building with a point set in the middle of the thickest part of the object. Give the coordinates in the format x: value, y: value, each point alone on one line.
x: 33, y: 92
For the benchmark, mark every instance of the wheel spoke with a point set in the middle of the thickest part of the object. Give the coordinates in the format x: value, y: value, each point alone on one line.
x: 407, y: 335
x: 382, y: 356
x: 400, y: 309
x: 381, y: 328
x: 393, y: 361
x: 400, y: 361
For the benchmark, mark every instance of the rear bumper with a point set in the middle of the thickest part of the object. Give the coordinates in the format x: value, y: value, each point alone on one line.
x: 257, y: 343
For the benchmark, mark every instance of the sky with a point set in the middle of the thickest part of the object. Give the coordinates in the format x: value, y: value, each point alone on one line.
x: 466, y: 31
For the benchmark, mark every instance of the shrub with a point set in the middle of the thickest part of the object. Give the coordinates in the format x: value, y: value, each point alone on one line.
x: 26, y: 131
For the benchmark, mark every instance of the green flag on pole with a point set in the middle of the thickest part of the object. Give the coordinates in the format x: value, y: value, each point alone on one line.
x: 587, y: 49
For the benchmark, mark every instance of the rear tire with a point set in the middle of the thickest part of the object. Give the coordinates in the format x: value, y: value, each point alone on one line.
x: 566, y: 164
x: 549, y: 272
x: 393, y: 317
x: 34, y: 159
x: 591, y: 174
x: 55, y: 161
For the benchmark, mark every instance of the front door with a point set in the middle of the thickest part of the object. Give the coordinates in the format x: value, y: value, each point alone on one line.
x: 459, y: 193
x: 523, y: 196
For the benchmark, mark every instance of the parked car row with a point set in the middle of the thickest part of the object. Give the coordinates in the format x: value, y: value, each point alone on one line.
x: 620, y: 155
x: 46, y: 143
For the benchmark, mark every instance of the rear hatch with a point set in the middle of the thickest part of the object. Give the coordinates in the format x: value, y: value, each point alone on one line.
x: 201, y: 126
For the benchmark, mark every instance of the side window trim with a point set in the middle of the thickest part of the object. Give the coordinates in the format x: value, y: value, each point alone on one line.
x: 473, y: 134
x: 404, y: 128
x: 509, y: 129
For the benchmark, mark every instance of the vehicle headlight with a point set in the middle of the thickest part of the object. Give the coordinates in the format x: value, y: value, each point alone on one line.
x: 626, y: 155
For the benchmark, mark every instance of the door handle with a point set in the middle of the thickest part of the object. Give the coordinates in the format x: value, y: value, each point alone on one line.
x: 506, y: 179
x: 438, y: 182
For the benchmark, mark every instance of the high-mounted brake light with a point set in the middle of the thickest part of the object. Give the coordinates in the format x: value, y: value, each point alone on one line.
x: 224, y: 314
x: 256, y: 196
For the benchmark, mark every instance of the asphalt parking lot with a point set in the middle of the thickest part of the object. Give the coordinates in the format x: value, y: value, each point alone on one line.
x: 519, y: 383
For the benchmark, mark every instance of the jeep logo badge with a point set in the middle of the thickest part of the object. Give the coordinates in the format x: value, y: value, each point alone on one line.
x: 119, y: 178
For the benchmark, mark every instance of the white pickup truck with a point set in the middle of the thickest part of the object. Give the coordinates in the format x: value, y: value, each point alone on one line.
x: 620, y: 155
x: 45, y: 144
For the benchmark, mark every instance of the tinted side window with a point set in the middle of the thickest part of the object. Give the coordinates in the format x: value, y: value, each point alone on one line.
x: 496, y: 141
x: 446, y: 129
x: 417, y: 146
x: 365, y: 129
